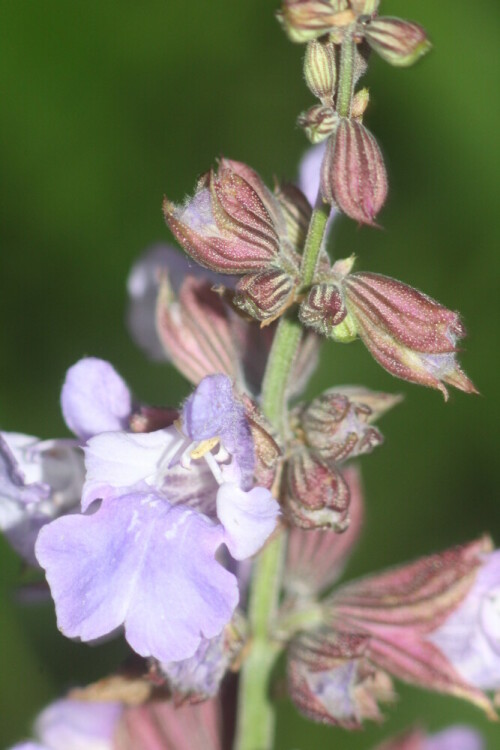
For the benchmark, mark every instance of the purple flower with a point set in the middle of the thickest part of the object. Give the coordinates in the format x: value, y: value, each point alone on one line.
x: 95, y: 398
x: 39, y: 480
x: 309, y: 171
x: 470, y: 637
x: 145, y: 557
x: 75, y: 725
x: 201, y: 674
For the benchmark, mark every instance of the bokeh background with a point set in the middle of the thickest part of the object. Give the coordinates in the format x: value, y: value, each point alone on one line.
x: 106, y: 106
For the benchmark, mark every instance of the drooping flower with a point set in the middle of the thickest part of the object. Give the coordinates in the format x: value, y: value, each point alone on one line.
x: 146, y: 554
x: 235, y: 225
x: 75, y: 725
x: 410, y: 334
x: 403, y: 623
x: 470, y: 637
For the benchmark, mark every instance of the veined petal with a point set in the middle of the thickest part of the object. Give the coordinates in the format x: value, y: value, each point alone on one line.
x: 117, y: 460
x: 95, y: 398
x: 144, y: 564
x: 249, y: 518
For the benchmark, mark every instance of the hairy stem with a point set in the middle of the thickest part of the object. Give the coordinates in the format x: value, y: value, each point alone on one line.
x: 314, y: 240
x: 256, y: 716
x: 346, y: 76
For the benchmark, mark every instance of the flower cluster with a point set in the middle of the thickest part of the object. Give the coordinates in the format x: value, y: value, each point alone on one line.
x: 169, y: 525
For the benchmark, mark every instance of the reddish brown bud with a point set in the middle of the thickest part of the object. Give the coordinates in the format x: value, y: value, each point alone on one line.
x: 399, y: 42
x: 323, y: 309
x: 320, y: 70
x: 304, y: 20
x: 353, y: 173
x: 316, y: 558
x: 265, y: 295
x: 316, y: 495
x: 336, y: 429
x: 318, y: 122
x: 409, y: 334
x: 267, y: 450
x: 233, y: 224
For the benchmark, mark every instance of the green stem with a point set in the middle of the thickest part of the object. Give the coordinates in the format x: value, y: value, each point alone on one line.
x: 346, y: 77
x: 256, y: 716
x: 312, y: 248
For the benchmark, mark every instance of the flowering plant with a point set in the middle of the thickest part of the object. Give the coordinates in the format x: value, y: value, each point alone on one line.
x: 210, y: 533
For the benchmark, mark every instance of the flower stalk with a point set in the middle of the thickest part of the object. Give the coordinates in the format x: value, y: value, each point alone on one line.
x: 256, y: 714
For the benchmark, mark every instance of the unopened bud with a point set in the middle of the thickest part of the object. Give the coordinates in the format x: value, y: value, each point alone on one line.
x: 320, y: 70
x: 408, y: 333
x: 398, y: 42
x: 318, y: 122
x: 304, y: 20
x: 353, y: 173
x: 359, y: 103
x: 316, y: 495
x: 265, y: 295
x: 336, y: 429
x: 323, y: 308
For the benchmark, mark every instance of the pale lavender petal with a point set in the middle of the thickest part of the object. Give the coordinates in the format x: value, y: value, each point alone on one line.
x: 213, y: 411
x: 309, y: 171
x: 202, y: 673
x: 455, y: 738
x: 20, y: 481
x: 334, y: 689
x: 30, y: 746
x: 95, y: 398
x: 78, y: 725
x: 119, y: 460
x: 208, y: 411
x: 140, y: 562
x: 470, y: 637
x: 249, y: 518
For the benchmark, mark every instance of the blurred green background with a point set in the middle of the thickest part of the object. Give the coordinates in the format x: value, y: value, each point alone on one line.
x: 107, y: 105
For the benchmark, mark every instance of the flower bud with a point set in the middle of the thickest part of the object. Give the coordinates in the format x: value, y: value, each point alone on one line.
x: 265, y: 295
x: 233, y: 224
x: 316, y: 494
x: 408, y: 333
x: 323, y: 309
x: 353, y: 173
x: 318, y: 122
x: 336, y: 429
x: 320, y: 70
x: 304, y: 20
x: 398, y: 42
